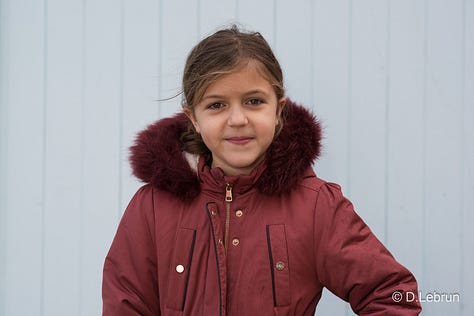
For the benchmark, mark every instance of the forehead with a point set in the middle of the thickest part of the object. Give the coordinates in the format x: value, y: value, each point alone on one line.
x: 247, y: 76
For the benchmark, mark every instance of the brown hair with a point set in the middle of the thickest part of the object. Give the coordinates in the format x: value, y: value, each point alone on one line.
x: 220, y: 54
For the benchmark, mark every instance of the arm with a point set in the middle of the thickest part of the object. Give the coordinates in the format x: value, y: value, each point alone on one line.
x: 130, y: 281
x: 353, y: 264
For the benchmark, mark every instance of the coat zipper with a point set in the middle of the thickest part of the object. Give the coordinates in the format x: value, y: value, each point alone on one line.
x: 228, y: 200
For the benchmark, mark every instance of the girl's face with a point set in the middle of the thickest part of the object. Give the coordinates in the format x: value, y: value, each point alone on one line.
x: 236, y: 118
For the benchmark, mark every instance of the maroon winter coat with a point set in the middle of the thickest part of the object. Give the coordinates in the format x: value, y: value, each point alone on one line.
x: 195, y: 242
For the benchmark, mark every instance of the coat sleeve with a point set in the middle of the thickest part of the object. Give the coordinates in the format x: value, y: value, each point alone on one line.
x: 353, y: 264
x: 130, y: 281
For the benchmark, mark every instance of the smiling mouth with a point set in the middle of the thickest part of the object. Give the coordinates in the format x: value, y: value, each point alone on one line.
x: 239, y: 140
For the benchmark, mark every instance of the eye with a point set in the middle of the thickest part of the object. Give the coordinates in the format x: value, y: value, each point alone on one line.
x: 254, y: 101
x: 215, y: 106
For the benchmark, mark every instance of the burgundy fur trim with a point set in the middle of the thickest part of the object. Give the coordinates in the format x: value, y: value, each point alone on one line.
x: 156, y: 156
x: 292, y: 152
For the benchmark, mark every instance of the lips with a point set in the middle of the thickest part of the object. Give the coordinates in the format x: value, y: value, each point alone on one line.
x: 239, y: 140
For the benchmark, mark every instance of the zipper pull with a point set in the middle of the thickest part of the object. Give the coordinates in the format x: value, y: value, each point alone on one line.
x: 228, y: 193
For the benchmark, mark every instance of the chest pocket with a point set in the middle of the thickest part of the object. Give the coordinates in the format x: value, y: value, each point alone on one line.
x: 180, y: 268
x: 279, y: 264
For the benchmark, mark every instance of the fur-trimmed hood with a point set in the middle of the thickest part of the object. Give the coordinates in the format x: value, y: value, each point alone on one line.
x: 157, y: 157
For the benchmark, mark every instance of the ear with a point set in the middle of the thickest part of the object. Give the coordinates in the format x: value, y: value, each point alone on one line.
x: 189, y: 113
x: 281, y: 104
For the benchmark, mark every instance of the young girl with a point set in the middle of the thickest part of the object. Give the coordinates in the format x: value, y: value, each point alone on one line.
x: 233, y: 220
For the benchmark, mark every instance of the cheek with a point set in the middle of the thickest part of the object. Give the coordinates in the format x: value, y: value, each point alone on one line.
x: 266, y: 133
x: 209, y: 134
x: 200, y: 120
x: 267, y: 125
x: 206, y: 140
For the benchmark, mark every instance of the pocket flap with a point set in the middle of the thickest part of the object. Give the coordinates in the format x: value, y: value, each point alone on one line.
x: 279, y: 264
x: 180, y: 268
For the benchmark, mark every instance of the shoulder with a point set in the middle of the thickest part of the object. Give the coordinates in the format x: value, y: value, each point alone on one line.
x: 159, y: 204
x: 312, y: 182
x: 148, y: 193
x: 141, y: 202
x: 144, y: 194
x: 329, y: 200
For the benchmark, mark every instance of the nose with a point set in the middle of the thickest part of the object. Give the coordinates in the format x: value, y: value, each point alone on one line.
x: 237, y: 116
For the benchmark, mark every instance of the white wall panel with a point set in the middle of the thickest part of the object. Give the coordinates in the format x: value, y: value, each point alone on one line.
x: 258, y: 16
x: 103, y: 112
x: 179, y: 34
x: 405, y: 132
x: 24, y: 157
x: 141, y: 56
x: 443, y: 152
x: 215, y: 14
x: 293, y: 44
x: 330, y: 100
x: 4, y: 39
x: 368, y: 112
x: 330, y: 93
x: 62, y: 169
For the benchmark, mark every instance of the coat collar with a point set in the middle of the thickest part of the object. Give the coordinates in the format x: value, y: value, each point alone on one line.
x: 157, y: 158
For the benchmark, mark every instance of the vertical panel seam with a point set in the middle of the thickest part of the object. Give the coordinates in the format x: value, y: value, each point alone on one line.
x: 349, y: 98
x: 463, y: 145
x: 312, y: 57
x: 349, y: 107
x: 274, y: 25
x: 120, y: 114
x: 82, y: 166
x: 387, y: 120
x: 160, y: 57
x: 44, y: 155
x: 198, y: 18
x: 423, y: 154
x: 236, y: 12
x: 4, y: 76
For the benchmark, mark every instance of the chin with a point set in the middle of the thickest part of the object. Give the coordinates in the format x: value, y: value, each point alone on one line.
x: 243, y: 163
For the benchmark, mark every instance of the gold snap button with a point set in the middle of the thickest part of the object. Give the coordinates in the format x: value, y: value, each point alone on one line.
x: 213, y: 213
x: 239, y: 213
x: 180, y: 268
x: 220, y: 241
x: 235, y: 241
x: 280, y: 266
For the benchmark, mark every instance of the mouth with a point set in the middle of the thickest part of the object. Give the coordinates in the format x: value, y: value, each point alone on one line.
x: 239, y: 140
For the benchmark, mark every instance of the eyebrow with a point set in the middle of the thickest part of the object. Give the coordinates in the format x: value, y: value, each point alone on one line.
x: 218, y: 96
